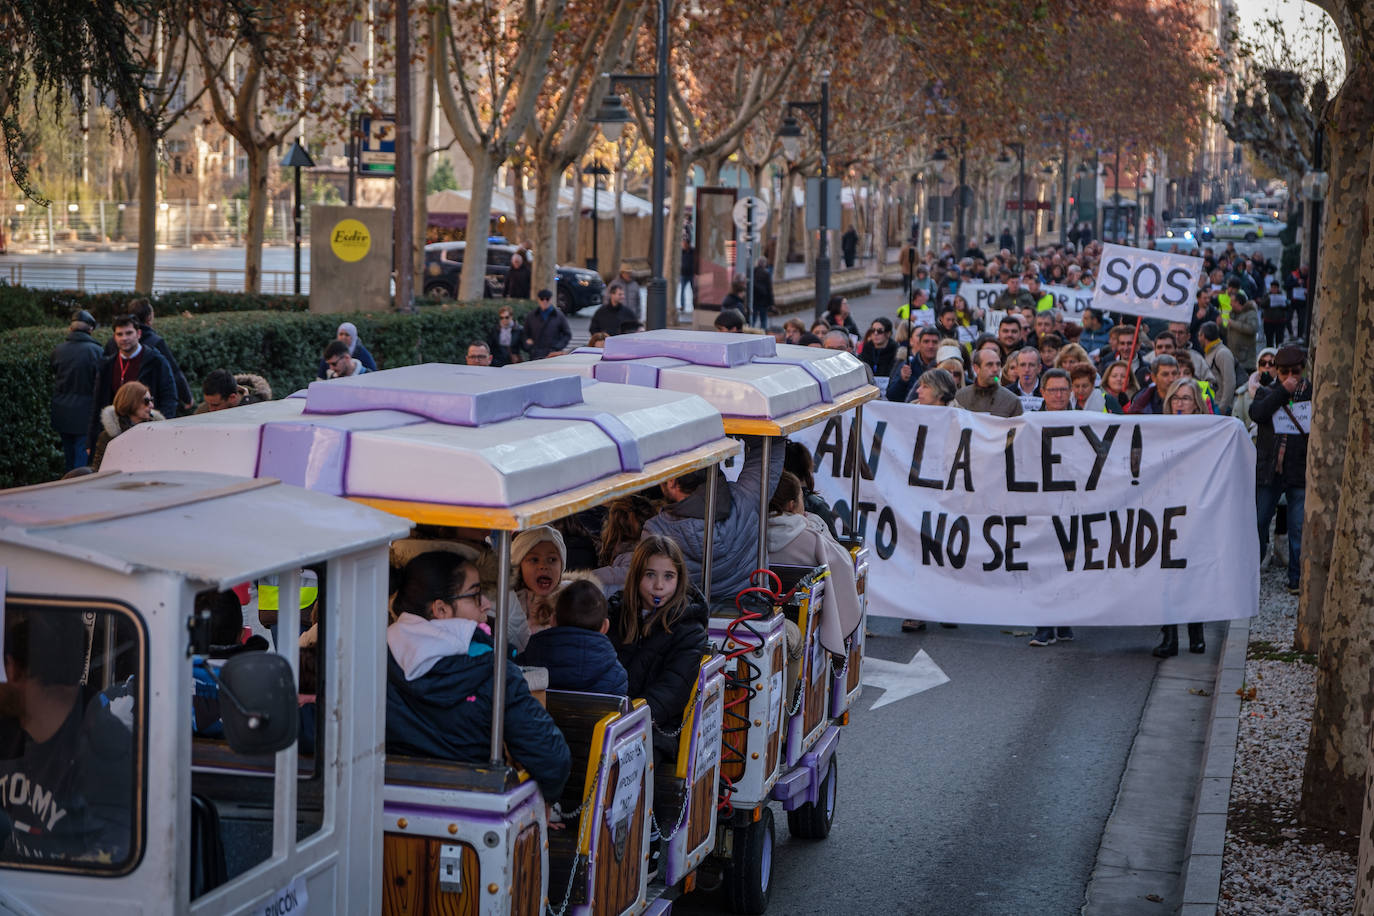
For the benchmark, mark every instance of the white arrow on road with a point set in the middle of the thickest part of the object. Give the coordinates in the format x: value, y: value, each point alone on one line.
x: 899, y: 681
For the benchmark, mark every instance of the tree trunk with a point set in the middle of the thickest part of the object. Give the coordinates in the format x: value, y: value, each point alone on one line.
x: 258, y: 165
x: 545, y: 224
x: 146, y: 153
x: 784, y: 242
x: 423, y: 153
x: 575, y: 221
x: 672, y: 248
x: 472, y: 281
x: 1335, y: 770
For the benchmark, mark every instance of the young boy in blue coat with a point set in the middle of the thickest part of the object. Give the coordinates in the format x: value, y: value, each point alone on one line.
x: 576, y: 651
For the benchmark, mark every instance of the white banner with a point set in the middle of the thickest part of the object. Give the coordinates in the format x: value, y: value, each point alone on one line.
x: 1049, y: 519
x: 1069, y: 299
x: 1153, y: 284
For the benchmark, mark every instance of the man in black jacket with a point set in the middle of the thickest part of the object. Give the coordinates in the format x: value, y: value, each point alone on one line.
x: 131, y: 362
x: 1282, y: 412
x: 74, y: 364
x: 142, y: 312
x: 763, y: 292
x: 546, y: 329
x: 614, y: 315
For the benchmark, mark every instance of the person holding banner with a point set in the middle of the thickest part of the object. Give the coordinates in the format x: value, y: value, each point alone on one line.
x: 1282, y: 412
x: 1184, y: 398
x: 1150, y: 400
x: 986, y: 394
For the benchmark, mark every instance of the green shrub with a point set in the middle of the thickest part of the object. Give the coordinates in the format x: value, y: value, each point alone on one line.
x: 284, y: 347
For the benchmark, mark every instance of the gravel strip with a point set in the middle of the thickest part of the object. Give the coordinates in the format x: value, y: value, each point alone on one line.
x: 1272, y: 865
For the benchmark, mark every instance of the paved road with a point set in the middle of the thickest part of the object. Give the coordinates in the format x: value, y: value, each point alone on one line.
x: 986, y: 795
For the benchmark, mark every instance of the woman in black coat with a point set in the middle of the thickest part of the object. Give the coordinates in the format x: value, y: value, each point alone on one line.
x: 506, y: 340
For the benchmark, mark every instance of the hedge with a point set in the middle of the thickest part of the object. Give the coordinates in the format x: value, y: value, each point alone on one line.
x: 284, y: 347
x: 23, y: 306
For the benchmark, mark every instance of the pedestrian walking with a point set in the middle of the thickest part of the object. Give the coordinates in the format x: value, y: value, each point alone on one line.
x: 75, y: 362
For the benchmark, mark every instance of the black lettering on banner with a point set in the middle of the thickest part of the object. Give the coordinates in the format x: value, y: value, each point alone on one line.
x: 1014, y: 522
x: 1089, y: 542
x: 1154, y: 287
x: 963, y: 461
x: 932, y: 541
x: 886, y: 546
x: 1068, y: 540
x: 1166, y: 560
x: 1100, y: 449
x: 1014, y: 485
x: 1120, y: 549
x: 841, y: 510
x: 1145, y: 544
x: 875, y: 451
x: 913, y: 477
x: 958, y: 553
x: 1177, y: 279
x: 1049, y: 458
x: 831, y: 442
x: 988, y: 524
x: 864, y: 509
x: 1114, y: 270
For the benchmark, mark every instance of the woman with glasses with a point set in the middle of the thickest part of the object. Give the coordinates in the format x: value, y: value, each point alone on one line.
x: 879, y: 350
x: 1184, y: 398
x: 505, y: 340
x: 1260, y: 378
x: 439, y: 677
x: 133, y: 404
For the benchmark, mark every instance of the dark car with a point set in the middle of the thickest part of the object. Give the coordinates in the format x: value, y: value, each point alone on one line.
x: 577, y: 288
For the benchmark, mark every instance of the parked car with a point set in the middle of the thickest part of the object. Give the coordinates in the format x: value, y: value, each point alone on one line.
x: 1270, y: 225
x: 576, y: 287
x: 1235, y: 226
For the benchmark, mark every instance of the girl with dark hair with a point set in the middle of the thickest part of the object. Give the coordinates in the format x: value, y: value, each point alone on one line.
x: 658, y: 625
x: 439, y: 677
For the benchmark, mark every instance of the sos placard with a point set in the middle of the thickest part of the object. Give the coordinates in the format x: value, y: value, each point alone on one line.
x: 1154, y: 284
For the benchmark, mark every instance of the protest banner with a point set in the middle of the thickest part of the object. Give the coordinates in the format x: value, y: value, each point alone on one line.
x: 1151, y: 284
x: 1048, y: 519
x: 1069, y: 299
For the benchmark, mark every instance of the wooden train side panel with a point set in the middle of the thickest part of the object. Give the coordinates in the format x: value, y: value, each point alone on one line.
x: 465, y: 903
x: 856, y: 648
x: 814, y: 682
x: 405, y: 864
x: 528, y: 898
x: 410, y: 879
x: 615, y: 884
x: 732, y: 764
x: 770, y: 762
x: 703, y: 810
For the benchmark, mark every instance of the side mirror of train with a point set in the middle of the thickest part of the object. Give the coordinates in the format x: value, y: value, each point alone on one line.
x: 258, y: 703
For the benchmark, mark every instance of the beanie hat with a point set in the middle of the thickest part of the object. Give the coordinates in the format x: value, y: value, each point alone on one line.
x: 947, y: 352
x: 527, y: 540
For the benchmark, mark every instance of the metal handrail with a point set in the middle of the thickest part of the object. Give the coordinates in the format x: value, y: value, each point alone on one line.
x: 95, y: 278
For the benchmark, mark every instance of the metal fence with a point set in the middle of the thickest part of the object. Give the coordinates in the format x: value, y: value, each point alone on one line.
x: 180, y: 223
x: 96, y: 278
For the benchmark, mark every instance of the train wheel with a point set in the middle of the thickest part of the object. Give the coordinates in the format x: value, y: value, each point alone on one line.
x: 812, y: 822
x: 749, y: 880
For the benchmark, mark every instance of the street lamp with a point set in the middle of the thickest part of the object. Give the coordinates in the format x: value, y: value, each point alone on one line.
x: 1116, y: 195
x: 597, y: 171
x: 297, y: 158
x: 818, y: 113
x: 612, y: 116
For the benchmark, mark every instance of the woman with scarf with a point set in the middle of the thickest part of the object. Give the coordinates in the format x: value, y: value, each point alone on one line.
x: 348, y: 333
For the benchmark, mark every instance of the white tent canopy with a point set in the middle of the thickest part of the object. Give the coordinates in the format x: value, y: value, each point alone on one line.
x: 503, y: 203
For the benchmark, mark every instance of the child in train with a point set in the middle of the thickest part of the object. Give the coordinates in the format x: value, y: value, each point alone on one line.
x: 659, y: 627
x: 439, y: 671
x: 625, y: 518
x: 798, y: 538
x: 537, y: 558
x: 576, y: 650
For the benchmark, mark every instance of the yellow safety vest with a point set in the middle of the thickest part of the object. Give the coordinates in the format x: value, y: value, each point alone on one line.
x: 1045, y: 303
x: 1224, y: 306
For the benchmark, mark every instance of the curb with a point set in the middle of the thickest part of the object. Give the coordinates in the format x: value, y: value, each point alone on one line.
x: 1201, y: 875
